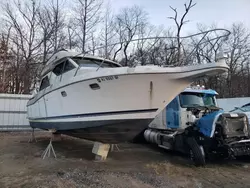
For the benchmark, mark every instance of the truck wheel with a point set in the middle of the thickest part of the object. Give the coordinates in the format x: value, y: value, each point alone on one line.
x: 196, y: 152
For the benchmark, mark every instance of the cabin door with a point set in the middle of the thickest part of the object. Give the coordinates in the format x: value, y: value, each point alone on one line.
x: 42, y: 101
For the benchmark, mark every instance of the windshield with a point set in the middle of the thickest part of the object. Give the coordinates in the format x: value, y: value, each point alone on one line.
x: 189, y: 99
x: 88, y: 62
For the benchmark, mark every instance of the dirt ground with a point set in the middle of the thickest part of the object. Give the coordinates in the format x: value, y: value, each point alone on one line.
x: 133, y: 165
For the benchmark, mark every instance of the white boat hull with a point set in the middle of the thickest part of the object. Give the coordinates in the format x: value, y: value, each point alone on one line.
x: 127, y: 93
x: 123, y: 105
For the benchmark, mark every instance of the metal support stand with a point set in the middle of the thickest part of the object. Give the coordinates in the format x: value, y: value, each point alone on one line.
x: 112, y: 147
x: 48, y: 150
x: 32, y: 138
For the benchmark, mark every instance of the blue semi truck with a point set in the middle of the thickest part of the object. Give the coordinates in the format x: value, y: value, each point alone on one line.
x: 194, y: 124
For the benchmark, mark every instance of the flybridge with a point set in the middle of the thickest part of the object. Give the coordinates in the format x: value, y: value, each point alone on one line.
x: 76, y: 58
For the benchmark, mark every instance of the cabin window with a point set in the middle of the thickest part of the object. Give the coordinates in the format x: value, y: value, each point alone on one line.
x: 68, y: 66
x: 58, y: 69
x: 63, y: 67
x: 44, y: 83
x: 88, y: 62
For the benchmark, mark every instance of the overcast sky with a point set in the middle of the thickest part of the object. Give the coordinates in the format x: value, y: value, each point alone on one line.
x: 221, y: 12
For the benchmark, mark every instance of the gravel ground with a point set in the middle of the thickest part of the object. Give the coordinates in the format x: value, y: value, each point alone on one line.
x: 132, y: 166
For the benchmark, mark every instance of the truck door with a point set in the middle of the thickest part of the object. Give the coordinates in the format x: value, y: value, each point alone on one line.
x: 172, y: 114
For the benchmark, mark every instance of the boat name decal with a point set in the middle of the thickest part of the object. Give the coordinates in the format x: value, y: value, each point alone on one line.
x: 107, y: 78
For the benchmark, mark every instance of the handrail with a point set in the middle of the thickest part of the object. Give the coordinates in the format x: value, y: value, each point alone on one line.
x: 148, y: 38
x: 201, y: 41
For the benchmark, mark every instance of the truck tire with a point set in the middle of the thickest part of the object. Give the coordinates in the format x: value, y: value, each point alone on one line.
x: 196, y: 152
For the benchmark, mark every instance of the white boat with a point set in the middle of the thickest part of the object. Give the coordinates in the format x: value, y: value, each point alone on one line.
x: 97, y: 99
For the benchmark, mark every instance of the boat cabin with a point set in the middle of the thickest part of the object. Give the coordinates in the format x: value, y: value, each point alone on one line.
x: 65, y: 64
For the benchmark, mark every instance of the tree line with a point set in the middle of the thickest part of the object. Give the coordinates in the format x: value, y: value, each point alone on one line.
x: 32, y: 30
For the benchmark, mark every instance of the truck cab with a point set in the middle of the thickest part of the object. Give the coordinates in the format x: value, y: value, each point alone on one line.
x: 176, y: 114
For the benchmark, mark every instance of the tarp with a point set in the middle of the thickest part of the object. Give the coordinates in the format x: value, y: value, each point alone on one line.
x: 229, y: 104
x: 206, y: 124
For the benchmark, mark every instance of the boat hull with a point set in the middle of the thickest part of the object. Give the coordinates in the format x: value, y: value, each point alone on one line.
x: 109, y: 131
x: 117, y: 112
x: 127, y: 93
x: 84, y: 106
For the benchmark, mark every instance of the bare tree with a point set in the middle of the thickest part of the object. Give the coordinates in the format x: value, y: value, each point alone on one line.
x: 238, y: 49
x: 92, y: 44
x: 58, y: 24
x: 87, y: 14
x: 119, y: 32
x: 25, y: 29
x: 129, y: 22
x: 27, y: 35
x: 108, y: 33
x: 149, y: 42
x: 5, y: 59
x: 144, y: 32
x: 71, y: 34
x: 48, y: 27
x: 179, y: 24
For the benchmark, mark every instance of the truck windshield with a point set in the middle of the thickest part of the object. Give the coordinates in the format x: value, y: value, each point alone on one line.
x: 189, y: 99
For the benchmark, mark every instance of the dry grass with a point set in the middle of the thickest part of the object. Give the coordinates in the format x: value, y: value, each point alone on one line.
x: 171, y: 169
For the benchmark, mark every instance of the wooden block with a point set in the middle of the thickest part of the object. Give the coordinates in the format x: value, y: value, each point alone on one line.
x: 101, y: 150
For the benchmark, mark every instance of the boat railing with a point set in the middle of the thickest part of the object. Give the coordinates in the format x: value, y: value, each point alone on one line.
x: 166, y: 50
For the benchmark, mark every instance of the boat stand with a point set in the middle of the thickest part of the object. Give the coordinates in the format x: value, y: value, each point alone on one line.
x: 32, y: 138
x: 112, y: 147
x: 48, y: 150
